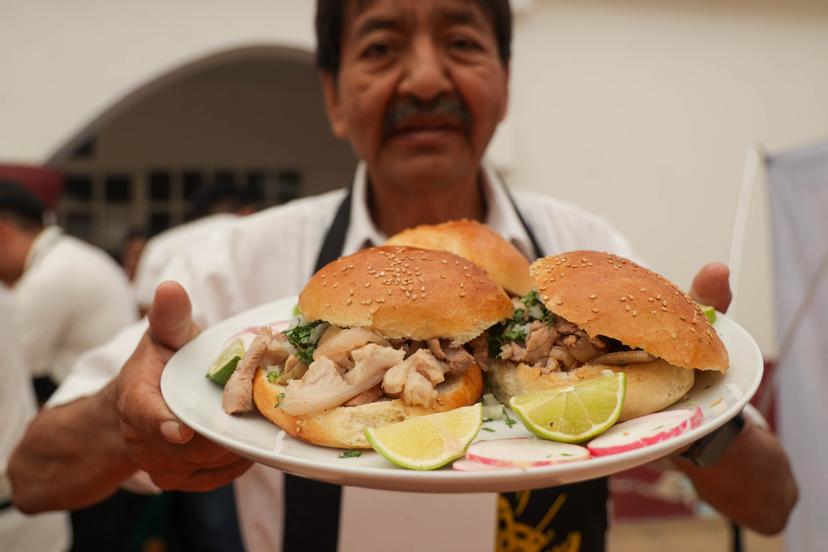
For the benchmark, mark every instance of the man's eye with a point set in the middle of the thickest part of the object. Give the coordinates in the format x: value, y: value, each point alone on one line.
x: 464, y: 44
x: 376, y: 50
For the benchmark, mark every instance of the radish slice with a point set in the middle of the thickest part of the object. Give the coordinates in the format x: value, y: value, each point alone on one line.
x: 470, y: 465
x: 247, y: 335
x: 524, y: 452
x: 644, y: 431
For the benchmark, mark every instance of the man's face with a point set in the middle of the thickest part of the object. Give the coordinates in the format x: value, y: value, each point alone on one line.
x: 420, y: 90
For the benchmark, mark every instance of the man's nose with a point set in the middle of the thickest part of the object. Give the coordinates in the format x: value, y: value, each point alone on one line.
x: 425, y: 74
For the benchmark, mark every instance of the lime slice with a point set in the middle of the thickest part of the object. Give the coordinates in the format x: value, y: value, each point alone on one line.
x: 427, y: 442
x: 709, y: 313
x: 225, y: 364
x: 574, y: 413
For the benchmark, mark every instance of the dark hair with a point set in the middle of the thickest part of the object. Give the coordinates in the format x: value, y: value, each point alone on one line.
x: 221, y: 197
x: 330, y: 16
x: 20, y: 205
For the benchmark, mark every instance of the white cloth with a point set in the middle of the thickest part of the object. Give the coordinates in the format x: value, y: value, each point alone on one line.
x: 72, y: 297
x: 47, y: 532
x: 798, y: 185
x: 271, y: 255
x: 162, y: 248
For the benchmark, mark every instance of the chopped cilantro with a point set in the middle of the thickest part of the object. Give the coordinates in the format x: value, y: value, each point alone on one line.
x: 509, y: 421
x: 351, y: 454
x: 566, y: 454
x: 296, y: 311
x: 485, y: 420
x: 487, y: 429
x: 301, y: 339
x: 515, y: 328
x: 279, y: 398
x: 273, y: 376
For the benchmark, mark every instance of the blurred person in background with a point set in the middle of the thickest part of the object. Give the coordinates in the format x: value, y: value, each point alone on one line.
x: 418, y: 88
x: 43, y: 532
x: 131, y: 250
x: 68, y: 295
x: 215, y: 207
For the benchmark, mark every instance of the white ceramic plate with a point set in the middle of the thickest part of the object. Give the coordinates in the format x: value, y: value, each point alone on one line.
x: 197, y: 402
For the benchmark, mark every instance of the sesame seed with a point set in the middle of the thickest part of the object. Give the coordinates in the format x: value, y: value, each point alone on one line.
x: 422, y: 288
x: 623, y: 299
x: 327, y: 305
x: 336, y: 284
x: 462, y: 294
x: 650, y: 299
x: 635, y: 313
x: 595, y: 310
x: 674, y: 335
x: 349, y: 301
x: 443, y: 261
x: 546, y: 298
x: 593, y: 296
x: 630, y: 297
x: 627, y: 308
x: 642, y: 290
x: 658, y: 297
x: 653, y: 312
x: 324, y: 283
x: 559, y: 302
x: 413, y: 296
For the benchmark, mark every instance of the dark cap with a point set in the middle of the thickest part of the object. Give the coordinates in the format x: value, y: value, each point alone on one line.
x: 19, y: 201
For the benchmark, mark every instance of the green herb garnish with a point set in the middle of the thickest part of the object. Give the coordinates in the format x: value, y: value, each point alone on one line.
x: 487, y: 429
x: 273, y: 376
x: 300, y: 338
x: 509, y: 421
x: 351, y: 454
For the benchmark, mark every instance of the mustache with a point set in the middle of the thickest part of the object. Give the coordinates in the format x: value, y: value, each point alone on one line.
x: 408, y: 108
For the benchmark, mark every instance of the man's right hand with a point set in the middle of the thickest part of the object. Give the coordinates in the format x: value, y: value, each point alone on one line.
x: 173, y: 455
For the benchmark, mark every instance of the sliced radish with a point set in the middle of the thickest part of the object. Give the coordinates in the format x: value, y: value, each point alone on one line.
x: 470, y: 465
x: 247, y: 335
x: 524, y: 452
x: 644, y: 431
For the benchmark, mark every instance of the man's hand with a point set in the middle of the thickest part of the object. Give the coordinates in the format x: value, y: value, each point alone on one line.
x: 711, y: 286
x: 173, y: 455
x: 752, y: 483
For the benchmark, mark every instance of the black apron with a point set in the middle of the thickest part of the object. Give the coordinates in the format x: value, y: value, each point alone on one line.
x: 569, y: 517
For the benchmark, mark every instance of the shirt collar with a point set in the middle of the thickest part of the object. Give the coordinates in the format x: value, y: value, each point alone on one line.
x: 500, y: 214
x: 42, y: 244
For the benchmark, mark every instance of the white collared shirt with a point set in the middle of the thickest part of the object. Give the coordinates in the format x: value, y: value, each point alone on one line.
x: 71, y: 297
x: 47, y: 532
x: 270, y: 255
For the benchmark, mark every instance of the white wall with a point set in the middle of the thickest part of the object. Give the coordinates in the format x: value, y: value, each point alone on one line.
x: 642, y: 111
x: 639, y: 110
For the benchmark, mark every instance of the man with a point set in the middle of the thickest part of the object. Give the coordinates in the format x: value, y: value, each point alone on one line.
x: 68, y: 295
x: 418, y: 88
x: 48, y: 532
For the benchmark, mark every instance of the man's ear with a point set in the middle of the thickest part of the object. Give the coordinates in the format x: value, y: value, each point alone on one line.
x: 332, y: 105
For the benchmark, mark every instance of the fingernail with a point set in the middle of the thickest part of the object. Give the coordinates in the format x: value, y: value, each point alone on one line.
x: 171, y: 431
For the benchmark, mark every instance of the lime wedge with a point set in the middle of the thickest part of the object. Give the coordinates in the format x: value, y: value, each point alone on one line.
x: 225, y: 364
x: 709, y: 313
x: 574, y: 413
x: 427, y: 442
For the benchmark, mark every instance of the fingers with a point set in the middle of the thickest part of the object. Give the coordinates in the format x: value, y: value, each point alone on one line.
x: 712, y: 287
x: 140, y: 403
x: 202, y: 479
x: 170, y: 317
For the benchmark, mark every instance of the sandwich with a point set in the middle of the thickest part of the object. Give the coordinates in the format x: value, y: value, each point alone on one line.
x: 479, y: 244
x: 591, y: 312
x: 383, y: 335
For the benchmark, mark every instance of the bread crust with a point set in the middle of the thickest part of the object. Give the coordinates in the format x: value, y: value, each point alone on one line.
x: 342, y: 427
x: 651, y: 386
x: 406, y: 292
x: 612, y: 296
x: 476, y: 242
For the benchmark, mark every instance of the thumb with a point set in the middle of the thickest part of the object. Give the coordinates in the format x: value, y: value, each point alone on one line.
x: 711, y: 286
x: 170, y: 316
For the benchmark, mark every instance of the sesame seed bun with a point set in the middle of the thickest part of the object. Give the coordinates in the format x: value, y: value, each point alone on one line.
x: 342, y: 426
x: 611, y: 296
x: 406, y: 292
x: 476, y: 242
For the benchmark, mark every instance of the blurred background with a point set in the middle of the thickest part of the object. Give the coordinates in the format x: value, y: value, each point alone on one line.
x: 639, y: 110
